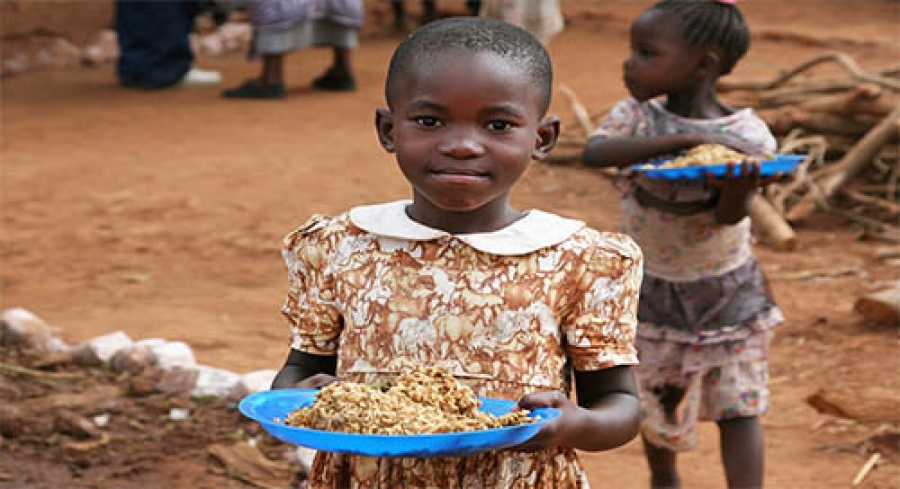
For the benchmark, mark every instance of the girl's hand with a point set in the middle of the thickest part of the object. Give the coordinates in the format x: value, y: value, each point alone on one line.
x: 743, y: 182
x: 316, y: 381
x: 737, y: 189
x: 553, y: 433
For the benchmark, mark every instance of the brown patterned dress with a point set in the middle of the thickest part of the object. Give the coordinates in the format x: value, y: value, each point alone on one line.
x: 509, y: 312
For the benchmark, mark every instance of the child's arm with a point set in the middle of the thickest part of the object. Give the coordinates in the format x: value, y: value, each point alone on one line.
x: 607, y: 414
x: 305, y: 370
x: 620, y: 152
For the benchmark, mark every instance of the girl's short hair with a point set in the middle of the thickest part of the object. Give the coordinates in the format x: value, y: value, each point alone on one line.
x: 711, y: 24
x: 473, y: 35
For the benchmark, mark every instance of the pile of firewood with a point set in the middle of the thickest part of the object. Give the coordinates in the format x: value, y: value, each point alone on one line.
x: 847, y: 126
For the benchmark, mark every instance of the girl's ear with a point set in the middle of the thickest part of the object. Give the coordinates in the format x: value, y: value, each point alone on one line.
x: 545, y: 140
x: 711, y: 63
x: 384, y: 127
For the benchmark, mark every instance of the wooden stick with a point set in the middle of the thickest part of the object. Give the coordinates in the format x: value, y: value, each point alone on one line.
x: 773, y: 226
x: 584, y: 119
x: 818, y: 123
x: 862, y: 198
x: 581, y: 114
x: 881, y: 307
x: 864, y: 471
x: 865, y: 100
x: 851, y: 164
x: 886, y: 236
x: 15, y: 369
x: 844, y: 60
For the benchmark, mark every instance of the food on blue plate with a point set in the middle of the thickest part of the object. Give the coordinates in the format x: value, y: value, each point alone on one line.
x: 703, y: 155
x: 426, y: 400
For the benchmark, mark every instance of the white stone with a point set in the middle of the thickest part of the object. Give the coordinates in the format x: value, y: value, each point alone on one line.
x: 16, y: 64
x: 101, y: 420
x: 22, y: 327
x: 150, y: 342
x: 102, y: 348
x: 235, y: 36
x: 134, y: 359
x: 60, y: 53
x: 171, y: 354
x: 178, y: 379
x: 58, y: 345
x: 260, y: 380
x: 210, y: 45
x: 213, y: 381
x: 179, y: 414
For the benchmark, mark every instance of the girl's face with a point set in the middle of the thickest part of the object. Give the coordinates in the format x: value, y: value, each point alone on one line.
x: 661, y: 61
x: 464, y: 129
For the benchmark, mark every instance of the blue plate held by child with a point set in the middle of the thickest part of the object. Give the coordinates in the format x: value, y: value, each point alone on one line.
x: 270, y: 408
x: 783, y: 163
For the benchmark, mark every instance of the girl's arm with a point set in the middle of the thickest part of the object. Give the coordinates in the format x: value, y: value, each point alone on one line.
x: 305, y: 370
x: 621, y: 152
x: 607, y: 414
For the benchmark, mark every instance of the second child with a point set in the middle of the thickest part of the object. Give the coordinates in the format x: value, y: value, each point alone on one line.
x: 705, y: 309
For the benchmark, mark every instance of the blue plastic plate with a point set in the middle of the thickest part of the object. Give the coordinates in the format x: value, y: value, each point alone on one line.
x: 265, y: 407
x: 784, y: 163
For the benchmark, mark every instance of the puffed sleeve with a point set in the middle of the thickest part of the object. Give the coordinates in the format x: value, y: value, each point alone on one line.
x: 601, y: 328
x: 754, y: 130
x: 624, y: 119
x: 310, y: 306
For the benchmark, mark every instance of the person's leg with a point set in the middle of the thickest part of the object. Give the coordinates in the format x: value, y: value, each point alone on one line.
x: 399, y: 8
x: 272, y: 69
x: 662, y: 461
x: 340, y: 65
x: 474, y: 6
x: 154, y: 42
x: 339, y: 77
x: 269, y: 85
x: 663, y: 467
x: 741, y: 440
x: 429, y: 11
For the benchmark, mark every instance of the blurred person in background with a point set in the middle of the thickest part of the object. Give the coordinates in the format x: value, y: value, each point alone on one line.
x: 155, y: 47
x: 283, y: 26
x: 542, y: 18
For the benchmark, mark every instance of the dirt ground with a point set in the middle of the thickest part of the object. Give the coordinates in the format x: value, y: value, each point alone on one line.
x: 161, y: 214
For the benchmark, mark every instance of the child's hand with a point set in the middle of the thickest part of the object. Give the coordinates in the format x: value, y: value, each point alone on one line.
x: 747, y: 178
x: 743, y: 182
x: 553, y: 433
x: 737, y: 190
x: 316, y: 381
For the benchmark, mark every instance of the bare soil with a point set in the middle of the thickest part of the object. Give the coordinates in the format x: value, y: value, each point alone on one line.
x: 161, y: 214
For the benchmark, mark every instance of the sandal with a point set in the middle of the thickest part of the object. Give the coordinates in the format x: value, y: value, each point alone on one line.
x: 257, y: 90
x: 335, y: 83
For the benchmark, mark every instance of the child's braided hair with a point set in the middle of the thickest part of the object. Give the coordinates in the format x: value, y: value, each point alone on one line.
x: 712, y: 24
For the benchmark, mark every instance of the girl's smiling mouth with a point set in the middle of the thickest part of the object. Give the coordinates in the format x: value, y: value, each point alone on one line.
x: 456, y: 174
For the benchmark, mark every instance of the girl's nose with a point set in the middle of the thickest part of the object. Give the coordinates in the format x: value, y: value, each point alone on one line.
x: 626, y: 65
x: 461, y: 143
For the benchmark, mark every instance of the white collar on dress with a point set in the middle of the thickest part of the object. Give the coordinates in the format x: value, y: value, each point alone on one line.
x: 535, y: 230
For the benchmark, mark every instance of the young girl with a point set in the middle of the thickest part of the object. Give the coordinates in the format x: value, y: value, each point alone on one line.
x: 705, y: 310
x: 510, y: 302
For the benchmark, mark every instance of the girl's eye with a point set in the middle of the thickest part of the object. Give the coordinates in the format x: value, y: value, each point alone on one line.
x: 498, y: 126
x: 428, y: 121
